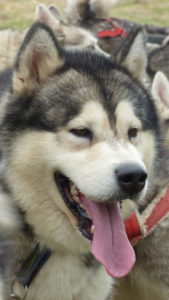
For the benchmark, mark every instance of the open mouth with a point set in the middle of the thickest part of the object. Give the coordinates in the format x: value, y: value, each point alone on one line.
x: 103, y: 225
x: 71, y: 196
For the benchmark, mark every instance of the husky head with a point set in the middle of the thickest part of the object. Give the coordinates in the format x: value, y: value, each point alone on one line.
x: 79, y: 136
x: 160, y: 92
x: 69, y: 36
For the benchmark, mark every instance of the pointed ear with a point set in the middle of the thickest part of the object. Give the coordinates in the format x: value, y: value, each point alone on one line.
x: 160, y: 91
x: 39, y: 57
x: 56, y: 13
x: 132, y: 54
x: 44, y: 15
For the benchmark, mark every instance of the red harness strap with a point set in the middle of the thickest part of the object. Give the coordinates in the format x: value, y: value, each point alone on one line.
x: 118, y: 31
x: 140, y: 225
x: 159, y: 211
x: 133, y: 229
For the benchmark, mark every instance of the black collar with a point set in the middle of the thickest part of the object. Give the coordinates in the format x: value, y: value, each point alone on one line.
x: 32, y: 265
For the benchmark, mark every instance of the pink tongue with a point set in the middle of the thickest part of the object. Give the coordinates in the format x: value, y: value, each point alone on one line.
x: 110, y: 244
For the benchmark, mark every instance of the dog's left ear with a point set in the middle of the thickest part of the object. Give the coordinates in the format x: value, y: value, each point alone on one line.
x: 39, y: 57
x: 132, y: 54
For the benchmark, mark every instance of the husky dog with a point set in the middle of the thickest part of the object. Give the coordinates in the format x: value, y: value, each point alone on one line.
x: 79, y: 134
x: 78, y: 11
x: 68, y: 35
x: 160, y: 92
x: 90, y: 15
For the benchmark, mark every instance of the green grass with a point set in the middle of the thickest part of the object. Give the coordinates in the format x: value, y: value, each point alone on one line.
x: 19, y: 14
x: 144, y: 12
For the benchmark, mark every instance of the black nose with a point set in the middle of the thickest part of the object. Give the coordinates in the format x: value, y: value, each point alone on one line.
x: 131, y: 178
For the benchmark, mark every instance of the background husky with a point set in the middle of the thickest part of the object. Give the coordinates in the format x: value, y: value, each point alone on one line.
x: 79, y: 11
x: 90, y: 15
x: 66, y: 116
x: 68, y: 35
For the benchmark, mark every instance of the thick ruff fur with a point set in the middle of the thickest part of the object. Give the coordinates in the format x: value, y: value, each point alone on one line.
x: 90, y: 119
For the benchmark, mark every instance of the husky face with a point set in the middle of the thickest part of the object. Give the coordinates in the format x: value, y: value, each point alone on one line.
x: 76, y: 126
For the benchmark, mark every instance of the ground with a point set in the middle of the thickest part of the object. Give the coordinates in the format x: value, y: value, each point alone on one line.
x: 19, y: 14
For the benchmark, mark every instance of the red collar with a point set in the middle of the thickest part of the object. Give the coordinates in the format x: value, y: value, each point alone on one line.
x: 140, y: 225
x: 118, y: 31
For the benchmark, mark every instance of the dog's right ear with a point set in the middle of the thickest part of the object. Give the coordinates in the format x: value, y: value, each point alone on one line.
x: 160, y: 92
x: 39, y: 57
x: 132, y: 54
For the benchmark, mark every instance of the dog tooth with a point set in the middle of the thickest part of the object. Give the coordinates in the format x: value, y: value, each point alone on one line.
x: 71, y: 184
x: 76, y: 199
x: 82, y: 206
x: 92, y: 229
x: 73, y: 190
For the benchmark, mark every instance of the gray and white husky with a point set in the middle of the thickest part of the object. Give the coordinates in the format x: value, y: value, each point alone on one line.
x: 79, y: 134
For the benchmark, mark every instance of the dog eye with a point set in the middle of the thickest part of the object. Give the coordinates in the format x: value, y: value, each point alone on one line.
x: 132, y: 133
x: 82, y: 132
